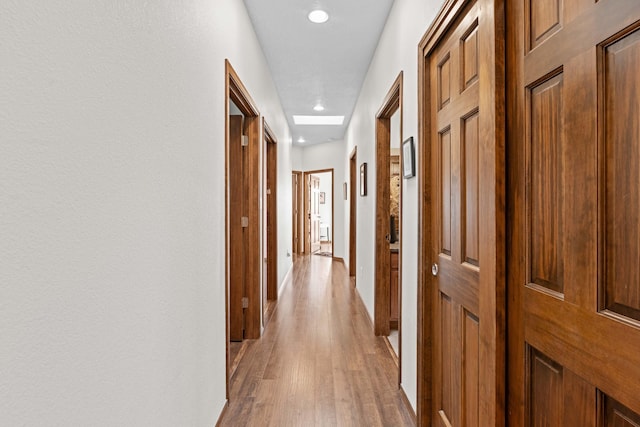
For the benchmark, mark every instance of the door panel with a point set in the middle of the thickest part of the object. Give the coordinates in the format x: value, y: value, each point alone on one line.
x: 574, y: 258
x: 455, y: 180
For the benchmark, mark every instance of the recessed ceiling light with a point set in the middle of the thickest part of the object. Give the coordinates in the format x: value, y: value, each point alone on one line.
x: 318, y: 16
x: 318, y: 107
x: 301, y: 140
x: 319, y: 120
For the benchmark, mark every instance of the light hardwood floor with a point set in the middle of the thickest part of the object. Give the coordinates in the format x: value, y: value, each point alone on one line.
x: 318, y: 363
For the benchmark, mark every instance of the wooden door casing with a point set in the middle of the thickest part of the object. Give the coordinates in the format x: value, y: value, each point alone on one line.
x: 461, y: 312
x: 574, y: 179
x: 353, y: 206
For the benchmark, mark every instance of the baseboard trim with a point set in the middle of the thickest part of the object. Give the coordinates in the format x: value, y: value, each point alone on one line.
x: 336, y: 258
x: 407, y: 404
x: 287, y: 277
x: 223, y: 413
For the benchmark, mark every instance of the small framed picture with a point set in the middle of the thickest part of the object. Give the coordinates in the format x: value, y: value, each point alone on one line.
x: 322, y: 195
x: 363, y: 179
x: 408, y: 159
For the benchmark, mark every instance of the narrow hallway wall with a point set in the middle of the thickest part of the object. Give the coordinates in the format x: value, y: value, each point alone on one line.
x: 396, y: 51
x: 112, y: 195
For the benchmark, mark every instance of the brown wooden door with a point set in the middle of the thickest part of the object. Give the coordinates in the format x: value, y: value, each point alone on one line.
x: 236, y: 231
x: 464, y: 282
x: 353, y: 214
x: 455, y: 222
x: 314, y: 213
x: 574, y: 278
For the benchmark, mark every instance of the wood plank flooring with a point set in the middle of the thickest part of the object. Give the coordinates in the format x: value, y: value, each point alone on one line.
x: 318, y: 363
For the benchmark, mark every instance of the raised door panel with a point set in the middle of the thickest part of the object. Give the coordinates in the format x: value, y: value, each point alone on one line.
x: 546, y: 202
x: 445, y: 192
x: 574, y: 206
x: 622, y: 148
x: 470, y: 213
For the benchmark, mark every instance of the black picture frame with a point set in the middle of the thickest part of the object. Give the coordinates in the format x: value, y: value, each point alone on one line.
x: 408, y: 159
x: 363, y: 179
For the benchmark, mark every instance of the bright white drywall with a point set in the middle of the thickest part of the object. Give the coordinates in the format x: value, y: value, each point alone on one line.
x: 396, y: 51
x: 112, y: 207
x: 329, y: 156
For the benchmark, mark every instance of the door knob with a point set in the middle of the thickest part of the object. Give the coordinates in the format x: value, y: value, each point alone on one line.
x: 434, y: 269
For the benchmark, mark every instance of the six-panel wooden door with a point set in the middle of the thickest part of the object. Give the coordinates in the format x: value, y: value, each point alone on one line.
x: 574, y: 209
x: 465, y: 190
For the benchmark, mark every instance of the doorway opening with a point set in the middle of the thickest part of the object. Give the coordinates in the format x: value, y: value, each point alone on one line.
x: 270, y: 283
x: 353, y: 212
x: 319, y: 221
x: 388, y: 256
x: 243, y: 219
x: 297, y: 215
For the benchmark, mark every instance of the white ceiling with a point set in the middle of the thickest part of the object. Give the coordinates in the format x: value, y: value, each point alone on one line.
x: 313, y: 63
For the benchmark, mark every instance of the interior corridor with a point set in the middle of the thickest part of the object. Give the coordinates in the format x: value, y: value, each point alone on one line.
x: 318, y: 362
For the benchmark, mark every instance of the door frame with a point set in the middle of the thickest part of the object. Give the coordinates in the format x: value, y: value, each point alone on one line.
x: 298, y: 221
x: 492, y: 327
x: 236, y: 91
x: 306, y: 174
x: 270, y: 168
x: 353, y: 211
x: 381, y: 310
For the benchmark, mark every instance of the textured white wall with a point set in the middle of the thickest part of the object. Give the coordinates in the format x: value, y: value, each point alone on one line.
x: 112, y: 207
x: 396, y: 51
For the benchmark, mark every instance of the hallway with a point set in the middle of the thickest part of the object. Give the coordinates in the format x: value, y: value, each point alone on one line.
x: 318, y: 362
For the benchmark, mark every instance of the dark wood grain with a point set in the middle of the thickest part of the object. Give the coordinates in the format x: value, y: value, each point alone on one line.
x: 573, y: 209
x: 318, y: 362
x: 236, y: 277
x: 462, y: 217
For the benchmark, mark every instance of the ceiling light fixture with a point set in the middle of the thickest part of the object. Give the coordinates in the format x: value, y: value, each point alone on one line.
x: 318, y: 16
x: 318, y: 107
x: 319, y: 120
x: 301, y: 140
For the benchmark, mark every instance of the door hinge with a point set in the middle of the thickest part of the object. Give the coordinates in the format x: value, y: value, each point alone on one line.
x: 268, y: 191
x: 245, y: 140
x: 245, y: 302
x: 245, y: 221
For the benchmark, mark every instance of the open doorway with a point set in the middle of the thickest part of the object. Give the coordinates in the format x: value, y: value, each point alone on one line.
x: 319, y: 221
x: 297, y: 216
x: 388, y: 254
x: 353, y: 213
x: 270, y: 282
x: 242, y: 219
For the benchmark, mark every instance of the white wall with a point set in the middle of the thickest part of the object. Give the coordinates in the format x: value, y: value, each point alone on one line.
x: 396, y: 51
x: 329, y: 156
x: 112, y: 207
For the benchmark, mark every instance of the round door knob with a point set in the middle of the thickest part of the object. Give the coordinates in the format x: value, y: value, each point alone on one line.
x: 434, y: 269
